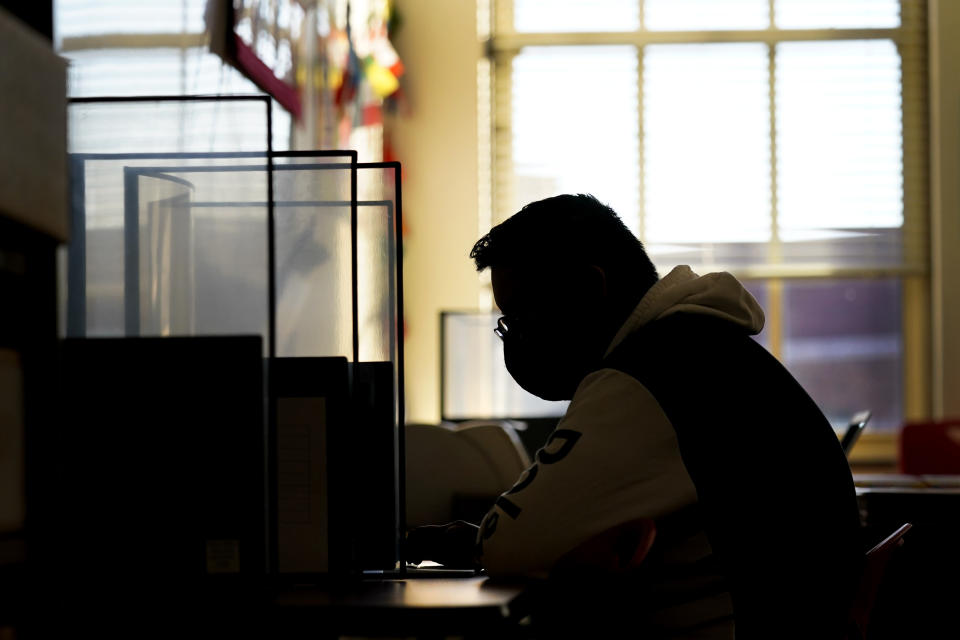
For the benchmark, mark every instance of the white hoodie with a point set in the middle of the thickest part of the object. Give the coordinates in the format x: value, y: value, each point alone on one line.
x: 715, y: 294
x: 614, y: 456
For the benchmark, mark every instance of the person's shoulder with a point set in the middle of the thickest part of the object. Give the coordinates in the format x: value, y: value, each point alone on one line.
x: 610, y: 398
x: 687, y: 353
x: 604, y: 384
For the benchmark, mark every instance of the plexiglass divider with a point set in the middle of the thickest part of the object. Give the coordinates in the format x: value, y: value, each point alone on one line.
x: 179, y: 245
x: 380, y: 297
x: 187, y: 223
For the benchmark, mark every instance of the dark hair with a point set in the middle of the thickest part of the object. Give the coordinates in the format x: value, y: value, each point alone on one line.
x: 569, y: 231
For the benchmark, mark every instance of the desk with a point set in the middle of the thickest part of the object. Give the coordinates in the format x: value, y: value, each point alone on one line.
x: 413, y: 607
x: 881, y: 480
x: 920, y: 590
x: 422, y: 607
x: 928, y: 502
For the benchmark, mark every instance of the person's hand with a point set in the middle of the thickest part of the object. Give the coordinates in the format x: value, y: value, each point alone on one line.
x: 452, y: 545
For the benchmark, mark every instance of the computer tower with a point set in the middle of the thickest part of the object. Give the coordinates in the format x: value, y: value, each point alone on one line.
x: 151, y: 480
x: 335, y: 474
x: 377, y: 532
x: 309, y: 482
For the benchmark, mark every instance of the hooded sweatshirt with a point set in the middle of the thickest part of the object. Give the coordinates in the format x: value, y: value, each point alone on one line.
x: 691, y: 423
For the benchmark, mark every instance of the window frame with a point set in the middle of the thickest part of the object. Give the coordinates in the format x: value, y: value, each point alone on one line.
x: 503, y: 43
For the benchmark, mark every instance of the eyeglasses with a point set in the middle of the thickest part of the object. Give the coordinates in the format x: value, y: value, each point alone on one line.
x: 503, y: 328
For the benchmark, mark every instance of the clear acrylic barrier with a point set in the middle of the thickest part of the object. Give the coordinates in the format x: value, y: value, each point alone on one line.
x: 178, y: 245
x: 147, y: 257
x: 158, y: 249
x: 313, y: 197
x: 378, y: 263
x: 176, y: 236
x: 208, y: 268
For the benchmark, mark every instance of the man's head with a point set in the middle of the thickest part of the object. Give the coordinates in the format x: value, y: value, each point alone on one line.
x: 566, y: 273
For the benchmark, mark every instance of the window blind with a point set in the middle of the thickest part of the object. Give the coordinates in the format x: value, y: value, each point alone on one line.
x: 774, y: 145
x: 784, y: 140
x: 112, y: 49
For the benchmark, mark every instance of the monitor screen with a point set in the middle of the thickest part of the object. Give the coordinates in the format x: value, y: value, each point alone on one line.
x: 474, y: 381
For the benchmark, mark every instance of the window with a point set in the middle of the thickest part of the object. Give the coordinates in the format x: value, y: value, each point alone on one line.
x: 781, y: 140
x: 148, y: 48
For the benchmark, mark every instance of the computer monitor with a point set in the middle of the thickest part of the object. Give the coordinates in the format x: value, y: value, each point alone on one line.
x: 474, y: 382
x: 336, y: 470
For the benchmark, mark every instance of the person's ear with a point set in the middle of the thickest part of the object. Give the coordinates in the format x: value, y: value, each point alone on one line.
x: 599, y: 277
x: 593, y: 283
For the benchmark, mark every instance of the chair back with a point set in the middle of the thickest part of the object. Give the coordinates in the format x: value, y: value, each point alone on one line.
x: 501, y: 444
x: 874, y: 569
x: 450, y: 470
x: 930, y: 448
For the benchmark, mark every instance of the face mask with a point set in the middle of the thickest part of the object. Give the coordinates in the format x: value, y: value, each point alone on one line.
x: 544, y: 366
x: 548, y: 353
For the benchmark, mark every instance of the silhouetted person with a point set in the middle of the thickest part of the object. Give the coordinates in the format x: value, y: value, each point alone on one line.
x: 677, y: 418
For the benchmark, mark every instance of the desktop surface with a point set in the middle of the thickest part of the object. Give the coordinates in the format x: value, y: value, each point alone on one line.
x: 428, y: 606
x: 475, y: 591
x: 434, y: 606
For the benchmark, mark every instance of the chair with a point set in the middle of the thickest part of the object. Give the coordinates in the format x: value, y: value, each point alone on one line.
x: 590, y: 587
x: 930, y: 448
x: 456, y: 472
x: 874, y: 569
x: 617, y: 550
x: 857, y: 424
x: 498, y: 440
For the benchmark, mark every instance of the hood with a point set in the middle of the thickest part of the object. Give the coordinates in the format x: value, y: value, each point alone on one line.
x: 714, y: 294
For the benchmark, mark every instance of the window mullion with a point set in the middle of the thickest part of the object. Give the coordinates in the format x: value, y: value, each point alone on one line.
x: 513, y: 41
x: 775, y: 311
x: 774, y: 249
x: 641, y: 156
x: 503, y: 16
x: 642, y: 178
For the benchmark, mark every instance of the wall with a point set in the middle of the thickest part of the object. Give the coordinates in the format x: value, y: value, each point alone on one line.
x: 436, y: 141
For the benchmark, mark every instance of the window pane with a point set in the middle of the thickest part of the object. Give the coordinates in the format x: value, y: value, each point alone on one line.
x: 576, y: 15
x: 842, y: 341
x: 200, y: 126
x: 694, y: 15
x: 836, y: 14
x: 758, y: 289
x: 706, y: 152
x: 839, y: 151
x: 86, y: 17
x: 150, y: 71
x: 163, y: 71
x: 570, y: 138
